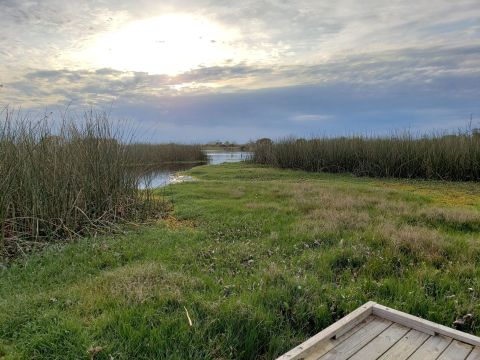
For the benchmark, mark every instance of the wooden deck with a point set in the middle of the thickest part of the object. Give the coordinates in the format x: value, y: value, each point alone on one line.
x: 374, y: 331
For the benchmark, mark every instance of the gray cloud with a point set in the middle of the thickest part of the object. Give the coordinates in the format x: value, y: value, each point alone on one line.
x: 427, y: 68
x: 348, y: 64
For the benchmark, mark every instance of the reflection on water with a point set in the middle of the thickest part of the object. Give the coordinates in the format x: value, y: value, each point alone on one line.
x: 220, y: 157
x: 153, y: 178
x: 166, y: 175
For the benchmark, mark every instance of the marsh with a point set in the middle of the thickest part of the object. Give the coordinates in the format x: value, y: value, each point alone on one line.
x: 165, y: 174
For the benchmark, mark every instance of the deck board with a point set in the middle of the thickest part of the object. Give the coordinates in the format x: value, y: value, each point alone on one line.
x: 381, y: 343
x: 475, y: 354
x: 376, y: 332
x: 456, y: 351
x: 431, y: 348
x: 325, y: 346
x: 406, y: 346
x: 358, y: 340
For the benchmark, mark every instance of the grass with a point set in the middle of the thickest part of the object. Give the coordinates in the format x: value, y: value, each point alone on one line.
x: 261, y: 259
x: 74, y: 176
x: 64, y: 179
x: 153, y: 155
x: 436, y: 156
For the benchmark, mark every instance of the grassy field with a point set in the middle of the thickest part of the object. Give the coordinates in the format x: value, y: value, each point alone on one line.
x: 260, y: 258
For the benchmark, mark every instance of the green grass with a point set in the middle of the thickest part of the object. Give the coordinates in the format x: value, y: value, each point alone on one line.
x: 261, y: 258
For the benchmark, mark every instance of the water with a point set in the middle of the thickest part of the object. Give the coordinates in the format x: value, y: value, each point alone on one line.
x: 163, y: 176
x: 168, y: 174
x: 219, y: 157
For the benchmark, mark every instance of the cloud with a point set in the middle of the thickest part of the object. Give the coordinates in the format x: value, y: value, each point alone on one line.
x: 441, y: 71
x: 326, y: 66
x: 37, y: 33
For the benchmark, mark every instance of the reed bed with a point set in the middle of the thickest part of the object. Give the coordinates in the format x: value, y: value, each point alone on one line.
x: 65, y: 178
x: 443, y: 157
x: 155, y: 155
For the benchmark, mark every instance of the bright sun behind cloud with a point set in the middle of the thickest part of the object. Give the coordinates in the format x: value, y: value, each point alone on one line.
x: 167, y: 44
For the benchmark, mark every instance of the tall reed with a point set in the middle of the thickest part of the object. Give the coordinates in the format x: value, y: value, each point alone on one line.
x: 436, y: 156
x: 61, y: 179
x: 161, y: 154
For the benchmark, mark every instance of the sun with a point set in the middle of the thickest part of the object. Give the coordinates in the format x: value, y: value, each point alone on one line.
x: 168, y: 44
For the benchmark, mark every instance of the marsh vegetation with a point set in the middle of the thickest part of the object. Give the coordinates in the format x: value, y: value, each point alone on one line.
x: 261, y: 259
x: 247, y: 262
x: 434, y: 156
x: 154, y: 155
x: 72, y: 177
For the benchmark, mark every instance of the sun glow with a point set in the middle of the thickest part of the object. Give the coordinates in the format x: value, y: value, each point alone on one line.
x: 167, y: 44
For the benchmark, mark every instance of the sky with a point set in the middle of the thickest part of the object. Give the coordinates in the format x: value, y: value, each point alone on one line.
x: 206, y: 70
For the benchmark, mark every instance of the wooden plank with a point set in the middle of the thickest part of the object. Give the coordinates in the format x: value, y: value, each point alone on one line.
x: 406, y: 346
x: 324, y: 346
x: 358, y: 340
x: 365, y: 312
x: 440, y: 338
x: 403, y: 318
x: 431, y: 348
x: 475, y: 354
x: 381, y: 343
x: 425, y: 326
x: 456, y: 351
x: 335, y: 330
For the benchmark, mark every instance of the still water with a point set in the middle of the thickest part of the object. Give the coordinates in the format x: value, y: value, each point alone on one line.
x: 167, y: 174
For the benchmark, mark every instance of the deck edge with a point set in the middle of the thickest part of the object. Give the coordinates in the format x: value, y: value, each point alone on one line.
x: 426, y: 326
x: 335, y: 330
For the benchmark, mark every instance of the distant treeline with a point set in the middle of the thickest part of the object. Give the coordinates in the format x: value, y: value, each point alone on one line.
x: 228, y: 146
x: 444, y: 157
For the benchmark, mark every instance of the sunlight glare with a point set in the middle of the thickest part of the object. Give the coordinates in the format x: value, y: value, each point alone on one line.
x: 167, y: 44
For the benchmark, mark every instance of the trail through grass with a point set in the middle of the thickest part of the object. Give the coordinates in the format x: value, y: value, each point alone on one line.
x: 260, y: 258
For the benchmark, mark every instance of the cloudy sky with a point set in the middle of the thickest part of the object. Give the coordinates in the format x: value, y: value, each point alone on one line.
x: 198, y: 70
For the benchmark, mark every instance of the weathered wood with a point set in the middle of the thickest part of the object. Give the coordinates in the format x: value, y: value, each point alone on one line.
x: 425, y: 326
x: 456, y: 351
x: 334, y: 330
x: 431, y: 348
x: 475, y: 354
x: 381, y: 343
x: 324, y: 346
x: 375, y: 331
x: 357, y: 341
x: 356, y: 319
x: 406, y: 346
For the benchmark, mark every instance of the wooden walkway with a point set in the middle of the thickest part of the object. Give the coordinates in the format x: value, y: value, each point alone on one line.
x: 374, y: 331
